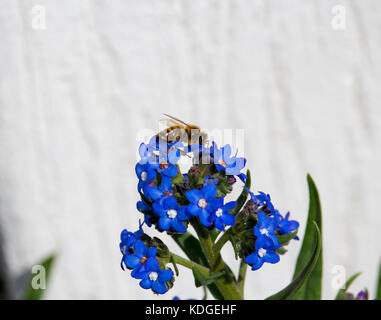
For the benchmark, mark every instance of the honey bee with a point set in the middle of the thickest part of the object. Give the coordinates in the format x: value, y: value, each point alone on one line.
x: 178, y: 130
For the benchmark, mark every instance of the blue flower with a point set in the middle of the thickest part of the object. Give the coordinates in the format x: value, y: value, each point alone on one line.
x: 145, y: 209
x: 156, y: 193
x: 159, y: 149
x: 148, y: 151
x: 146, y: 173
x: 284, y: 225
x: 127, y: 241
x: 264, y: 252
x: 223, y: 160
x: 263, y: 200
x: 222, y: 217
x: 203, y: 203
x: 142, y: 260
x: 362, y: 295
x: 142, y: 206
x: 146, y: 267
x: 167, y: 169
x: 266, y: 227
x: 171, y: 214
x: 155, y: 279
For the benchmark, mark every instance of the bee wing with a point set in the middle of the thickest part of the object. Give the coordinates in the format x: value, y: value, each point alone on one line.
x: 176, y: 120
x: 168, y: 123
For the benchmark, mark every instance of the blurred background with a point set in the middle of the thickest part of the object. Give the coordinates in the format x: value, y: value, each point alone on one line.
x: 79, y: 79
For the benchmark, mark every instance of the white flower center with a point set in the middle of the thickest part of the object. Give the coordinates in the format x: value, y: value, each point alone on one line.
x: 264, y: 231
x: 202, y: 203
x: 153, y: 276
x: 262, y: 252
x: 172, y: 213
x: 219, y: 213
x: 143, y: 176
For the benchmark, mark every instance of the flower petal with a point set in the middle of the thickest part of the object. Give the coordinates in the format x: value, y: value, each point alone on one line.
x: 140, y: 271
x: 182, y: 213
x: 178, y: 226
x: 166, y: 184
x: 158, y: 209
x: 132, y: 261
x: 271, y: 257
x: 204, y: 218
x: 151, y: 252
x: 226, y: 151
x: 146, y: 283
x: 170, y: 203
x: 164, y: 223
x: 140, y: 248
x: 159, y: 287
x: 219, y: 225
x: 252, y: 258
x: 171, y: 171
x: 153, y: 192
x: 228, y: 219
x: 139, y: 168
x: 193, y: 209
x: 229, y: 206
x: 213, y: 205
x: 193, y: 195
x: 209, y: 191
x: 152, y: 264
x: 257, y: 264
x: 165, y: 275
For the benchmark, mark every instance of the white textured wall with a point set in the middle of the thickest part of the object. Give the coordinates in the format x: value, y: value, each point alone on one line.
x: 73, y: 96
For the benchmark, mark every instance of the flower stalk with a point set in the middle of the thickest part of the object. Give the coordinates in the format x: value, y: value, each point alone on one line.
x: 226, y: 284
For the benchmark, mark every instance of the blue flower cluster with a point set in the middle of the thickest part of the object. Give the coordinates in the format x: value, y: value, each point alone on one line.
x: 270, y: 223
x: 170, y: 200
x: 143, y: 262
x: 167, y: 203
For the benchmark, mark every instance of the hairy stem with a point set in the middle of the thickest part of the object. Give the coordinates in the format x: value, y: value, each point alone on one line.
x: 242, y: 276
x: 221, y: 241
x: 226, y: 284
x: 190, y: 264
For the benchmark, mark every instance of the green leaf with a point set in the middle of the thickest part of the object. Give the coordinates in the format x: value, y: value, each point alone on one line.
x: 205, y: 280
x: 37, y: 294
x: 293, y: 288
x: 378, y: 290
x: 281, y: 250
x: 243, y: 196
x: 199, y: 279
x: 234, y: 245
x: 192, y: 248
x: 205, y: 297
x: 311, y: 290
x: 286, y: 237
x: 173, y: 261
x: 214, y: 234
x: 341, y: 294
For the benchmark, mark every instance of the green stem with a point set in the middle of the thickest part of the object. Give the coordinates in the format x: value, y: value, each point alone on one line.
x: 226, y: 284
x: 242, y: 276
x: 190, y: 264
x: 221, y: 241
